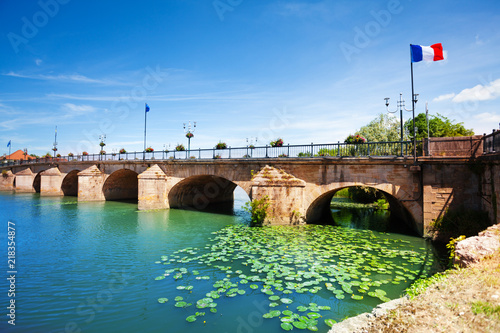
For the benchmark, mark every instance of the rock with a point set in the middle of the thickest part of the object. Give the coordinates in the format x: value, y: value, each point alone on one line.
x: 473, y: 249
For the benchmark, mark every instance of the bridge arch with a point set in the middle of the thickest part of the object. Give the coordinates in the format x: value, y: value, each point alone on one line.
x: 200, y: 191
x: 319, y: 209
x: 69, y: 186
x: 37, y: 182
x: 121, y: 185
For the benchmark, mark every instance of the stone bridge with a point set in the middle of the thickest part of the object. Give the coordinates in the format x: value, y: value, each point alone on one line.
x: 299, y: 189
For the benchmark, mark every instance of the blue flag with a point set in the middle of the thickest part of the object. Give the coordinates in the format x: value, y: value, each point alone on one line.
x: 8, y: 145
x: 147, y: 107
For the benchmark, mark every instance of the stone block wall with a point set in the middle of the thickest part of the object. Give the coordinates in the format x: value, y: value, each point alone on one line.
x: 463, y: 146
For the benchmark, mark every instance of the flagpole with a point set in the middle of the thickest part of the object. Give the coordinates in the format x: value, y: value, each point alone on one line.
x: 10, y: 146
x: 413, y: 111
x: 145, y: 119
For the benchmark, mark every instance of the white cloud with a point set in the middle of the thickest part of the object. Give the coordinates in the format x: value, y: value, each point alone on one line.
x: 488, y: 117
x: 38, y: 62
x: 79, y: 109
x: 63, y: 78
x: 479, y: 93
x: 444, y: 97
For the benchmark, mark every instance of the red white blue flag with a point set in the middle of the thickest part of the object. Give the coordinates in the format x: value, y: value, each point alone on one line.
x: 426, y: 53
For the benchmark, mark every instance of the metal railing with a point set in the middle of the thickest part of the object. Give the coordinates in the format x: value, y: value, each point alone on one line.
x: 491, y: 142
x: 286, y: 151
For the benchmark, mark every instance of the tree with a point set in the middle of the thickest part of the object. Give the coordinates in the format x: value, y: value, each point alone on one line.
x: 439, y: 126
x: 382, y: 128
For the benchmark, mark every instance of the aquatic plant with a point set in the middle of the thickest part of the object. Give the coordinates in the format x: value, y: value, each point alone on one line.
x: 283, y: 262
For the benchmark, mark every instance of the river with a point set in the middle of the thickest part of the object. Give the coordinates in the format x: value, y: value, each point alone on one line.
x: 106, y: 267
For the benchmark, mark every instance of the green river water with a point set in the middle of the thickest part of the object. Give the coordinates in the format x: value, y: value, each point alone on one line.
x: 106, y: 267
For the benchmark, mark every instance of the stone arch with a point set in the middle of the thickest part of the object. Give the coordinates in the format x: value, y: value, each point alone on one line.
x: 69, y: 184
x: 121, y: 185
x: 37, y: 182
x: 200, y: 191
x: 319, y: 208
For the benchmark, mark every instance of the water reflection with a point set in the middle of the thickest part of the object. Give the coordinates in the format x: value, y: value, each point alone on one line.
x: 368, y: 218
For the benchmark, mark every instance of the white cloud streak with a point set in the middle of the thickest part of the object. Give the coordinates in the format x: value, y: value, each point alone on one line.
x: 479, y: 93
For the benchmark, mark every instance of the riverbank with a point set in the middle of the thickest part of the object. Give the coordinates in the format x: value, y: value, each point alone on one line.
x: 466, y: 300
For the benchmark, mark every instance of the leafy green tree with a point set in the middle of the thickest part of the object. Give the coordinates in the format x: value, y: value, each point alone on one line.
x: 439, y: 126
x: 382, y: 128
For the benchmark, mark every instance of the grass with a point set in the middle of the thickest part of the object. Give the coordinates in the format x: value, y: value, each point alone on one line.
x: 486, y: 308
x: 459, y: 300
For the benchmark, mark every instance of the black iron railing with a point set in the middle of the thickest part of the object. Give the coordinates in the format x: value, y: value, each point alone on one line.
x: 491, y: 143
x: 286, y: 151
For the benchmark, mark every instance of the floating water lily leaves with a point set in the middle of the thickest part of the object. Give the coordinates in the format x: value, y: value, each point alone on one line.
x: 191, y: 319
x: 282, y: 262
x: 162, y: 300
x: 330, y: 322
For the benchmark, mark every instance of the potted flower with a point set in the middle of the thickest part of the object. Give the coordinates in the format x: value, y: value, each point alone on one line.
x: 122, y: 151
x: 217, y: 157
x: 102, y: 152
x: 102, y: 144
x: 85, y: 153
x: 47, y: 155
x: 277, y: 143
x: 251, y: 147
x: 58, y: 155
x: 221, y: 145
x: 355, y: 139
x: 283, y: 155
x: 70, y: 155
x: 149, y: 150
x: 180, y: 147
x: 189, y: 135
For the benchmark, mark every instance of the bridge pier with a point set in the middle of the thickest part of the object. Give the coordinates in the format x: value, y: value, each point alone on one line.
x: 24, y: 181
x: 50, y: 182
x: 153, y: 189
x: 285, y: 193
x: 90, y: 184
x: 7, y: 181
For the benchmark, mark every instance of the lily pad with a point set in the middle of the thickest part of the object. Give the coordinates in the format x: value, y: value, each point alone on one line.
x: 287, y: 326
x: 162, y: 300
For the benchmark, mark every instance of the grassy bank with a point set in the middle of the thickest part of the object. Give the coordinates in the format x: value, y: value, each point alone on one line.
x: 463, y: 300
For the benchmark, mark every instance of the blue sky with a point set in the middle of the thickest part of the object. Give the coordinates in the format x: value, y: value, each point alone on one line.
x: 305, y: 71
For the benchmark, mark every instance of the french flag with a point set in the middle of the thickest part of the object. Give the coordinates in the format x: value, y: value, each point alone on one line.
x: 426, y: 53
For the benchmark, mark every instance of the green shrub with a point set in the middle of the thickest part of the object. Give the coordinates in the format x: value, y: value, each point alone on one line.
x: 258, y: 209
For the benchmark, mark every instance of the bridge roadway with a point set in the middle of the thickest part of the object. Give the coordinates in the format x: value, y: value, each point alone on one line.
x: 300, y: 189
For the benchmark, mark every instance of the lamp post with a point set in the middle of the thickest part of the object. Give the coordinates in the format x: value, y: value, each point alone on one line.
x: 165, y: 150
x: 401, y: 107
x: 250, y: 144
x: 55, y: 143
x: 189, y: 134
x: 102, y: 138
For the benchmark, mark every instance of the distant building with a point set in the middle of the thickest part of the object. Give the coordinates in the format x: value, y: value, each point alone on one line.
x: 18, y: 155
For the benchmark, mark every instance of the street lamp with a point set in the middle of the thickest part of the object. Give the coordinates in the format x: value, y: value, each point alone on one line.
x: 102, y: 138
x: 165, y: 150
x: 250, y: 144
x: 189, y: 134
x: 55, y: 143
x: 401, y: 106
